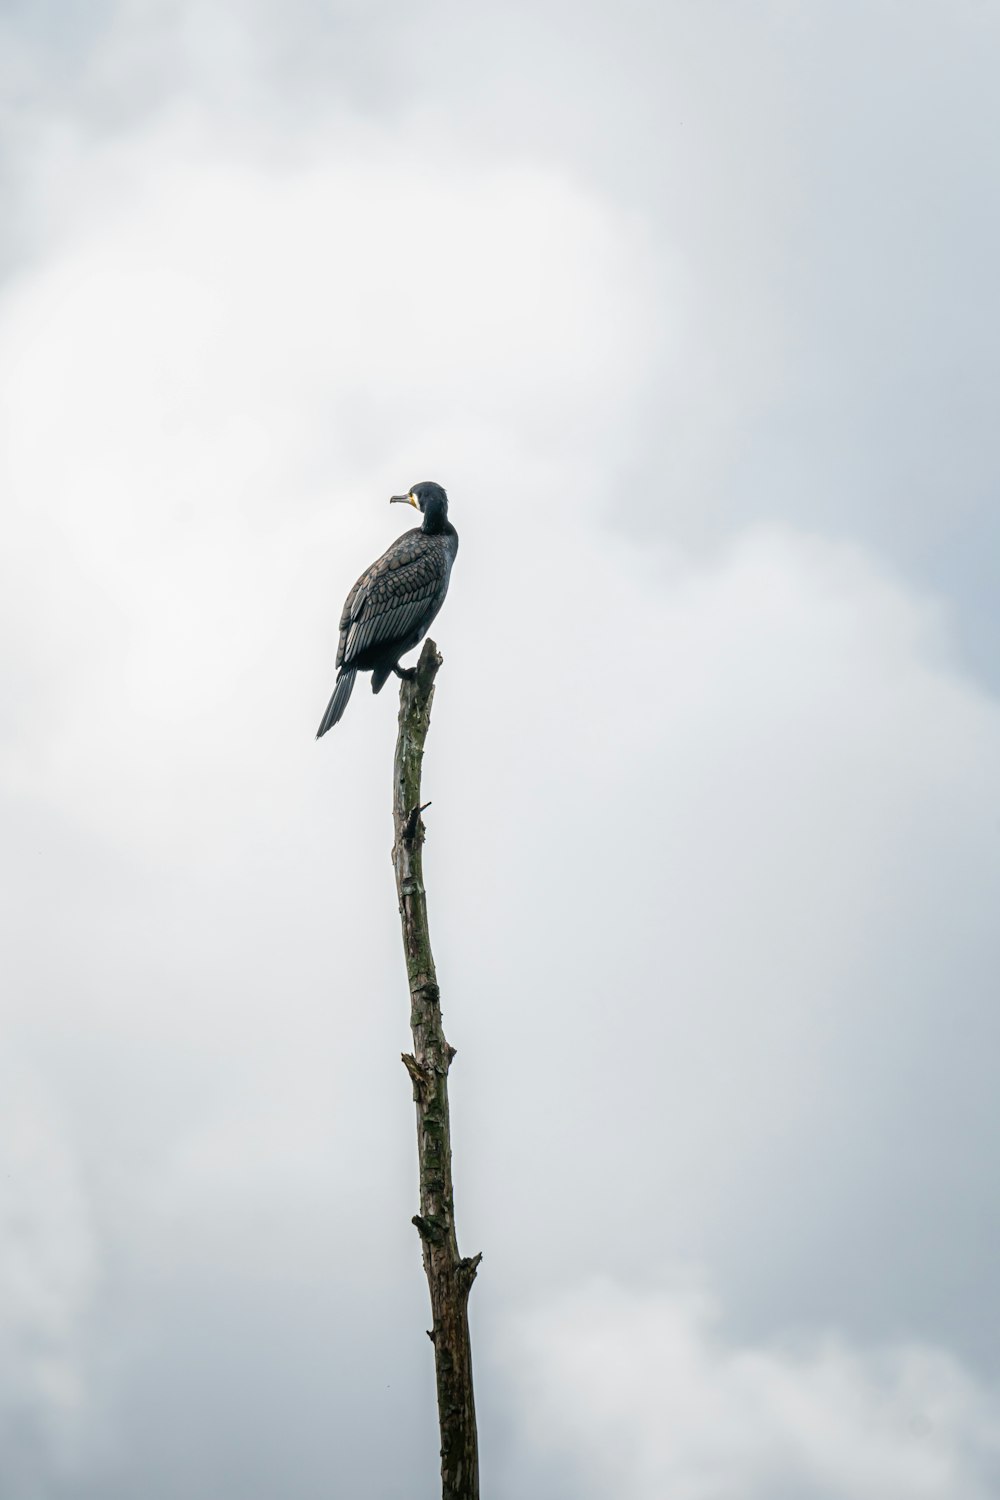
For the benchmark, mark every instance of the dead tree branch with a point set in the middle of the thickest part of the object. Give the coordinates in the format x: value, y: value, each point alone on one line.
x: 449, y: 1277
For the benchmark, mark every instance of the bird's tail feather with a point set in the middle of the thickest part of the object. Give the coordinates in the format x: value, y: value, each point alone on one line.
x: 337, y: 704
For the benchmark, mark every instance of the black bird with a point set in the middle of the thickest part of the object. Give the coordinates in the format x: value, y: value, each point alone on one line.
x: 392, y: 604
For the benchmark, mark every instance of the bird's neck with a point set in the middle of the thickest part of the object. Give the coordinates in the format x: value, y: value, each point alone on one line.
x: 437, y: 526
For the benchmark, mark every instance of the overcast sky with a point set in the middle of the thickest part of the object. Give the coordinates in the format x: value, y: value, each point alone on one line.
x: 692, y: 307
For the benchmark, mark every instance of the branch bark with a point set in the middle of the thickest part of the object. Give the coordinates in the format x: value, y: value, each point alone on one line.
x: 449, y: 1276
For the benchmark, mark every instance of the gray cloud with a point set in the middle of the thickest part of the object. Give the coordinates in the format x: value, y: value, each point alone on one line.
x: 644, y: 1397
x: 711, y: 853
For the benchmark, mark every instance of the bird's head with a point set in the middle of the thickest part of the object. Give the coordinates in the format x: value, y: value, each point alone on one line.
x: 430, y: 499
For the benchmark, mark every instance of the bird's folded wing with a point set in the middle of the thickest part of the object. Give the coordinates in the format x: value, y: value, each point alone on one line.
x: 388, y: 602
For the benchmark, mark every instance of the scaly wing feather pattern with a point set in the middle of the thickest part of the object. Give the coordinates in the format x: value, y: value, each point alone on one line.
x: 392, y: 598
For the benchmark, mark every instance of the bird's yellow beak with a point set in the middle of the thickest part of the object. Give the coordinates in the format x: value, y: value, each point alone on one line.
x: 403, y: 500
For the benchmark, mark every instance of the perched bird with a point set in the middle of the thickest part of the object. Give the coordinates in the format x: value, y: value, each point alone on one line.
x: 392, y: 604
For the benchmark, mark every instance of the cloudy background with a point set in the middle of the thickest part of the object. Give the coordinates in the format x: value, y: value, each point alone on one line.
x: 693, y: 309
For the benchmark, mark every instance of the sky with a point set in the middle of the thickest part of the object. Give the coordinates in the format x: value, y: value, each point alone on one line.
x: 692, y: 308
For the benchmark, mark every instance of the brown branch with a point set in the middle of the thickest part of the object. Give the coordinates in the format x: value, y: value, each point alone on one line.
x: 449, y: 1276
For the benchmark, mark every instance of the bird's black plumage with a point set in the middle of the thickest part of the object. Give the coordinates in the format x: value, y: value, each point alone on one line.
x: 390, y: 608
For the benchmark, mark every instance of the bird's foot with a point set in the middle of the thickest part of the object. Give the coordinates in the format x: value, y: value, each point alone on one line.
x: 408, y: 674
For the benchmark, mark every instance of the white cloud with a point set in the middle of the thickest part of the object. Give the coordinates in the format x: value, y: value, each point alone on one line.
x: 729, y: 927
x: 643, y: 1396
x: 197, y: 375
x: 712, y: 834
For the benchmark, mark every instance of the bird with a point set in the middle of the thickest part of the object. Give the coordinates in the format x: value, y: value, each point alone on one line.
x: 390, y: 608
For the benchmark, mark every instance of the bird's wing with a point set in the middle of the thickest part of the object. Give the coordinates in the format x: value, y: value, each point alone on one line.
x: 392, y: 597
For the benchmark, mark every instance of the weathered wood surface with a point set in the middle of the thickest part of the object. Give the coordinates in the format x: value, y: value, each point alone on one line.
x: 449, y: 1276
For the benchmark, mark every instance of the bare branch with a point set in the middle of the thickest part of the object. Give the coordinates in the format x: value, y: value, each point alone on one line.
x: 449, y: 1276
